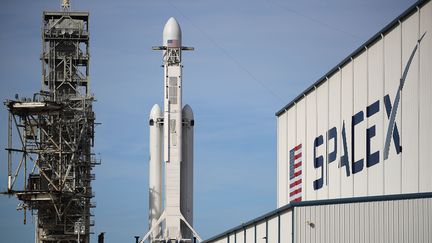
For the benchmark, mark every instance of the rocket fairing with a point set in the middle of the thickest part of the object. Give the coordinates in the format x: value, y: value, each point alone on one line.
x: 172, y: 34
x: 174, y: 130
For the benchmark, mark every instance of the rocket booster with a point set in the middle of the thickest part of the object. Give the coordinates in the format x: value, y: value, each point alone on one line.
x: 172, y: 125
x: 155, y: 168
x: 174, y: 129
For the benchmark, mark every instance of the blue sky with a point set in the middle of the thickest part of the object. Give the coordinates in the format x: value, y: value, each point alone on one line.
x: 252, y: 57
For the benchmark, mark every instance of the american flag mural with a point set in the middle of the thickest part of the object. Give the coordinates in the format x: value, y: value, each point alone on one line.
x: 295, y: 174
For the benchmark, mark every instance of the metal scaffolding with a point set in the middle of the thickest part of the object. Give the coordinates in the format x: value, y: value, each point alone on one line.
x: 50, y: 157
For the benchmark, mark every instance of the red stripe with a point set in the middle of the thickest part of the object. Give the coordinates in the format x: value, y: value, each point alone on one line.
x: 297, y: 199
x: 297, y: 173
x: 297, y: 155
x: 295, y: 192
x: 295, y: 183
x: 298, y: 147
x: 296, y: 165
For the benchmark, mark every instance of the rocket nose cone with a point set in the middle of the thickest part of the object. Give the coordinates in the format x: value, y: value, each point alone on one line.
x: 187, y: 112
x: 172, y: 33
x: 155, y: 112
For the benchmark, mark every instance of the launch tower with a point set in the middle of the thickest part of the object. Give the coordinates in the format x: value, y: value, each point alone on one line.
x: 50, y: 158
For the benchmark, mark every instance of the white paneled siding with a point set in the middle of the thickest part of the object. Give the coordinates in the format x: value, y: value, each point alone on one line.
x: 301, y: 136
x: 346, y: 112
x: 276, y: 228
x: 273, y: 230
x: 250, y: 234
x: 364, y: 221
x: 425, y: 100
x: 308, y: 158
x: 344, y: 118
x: 291, y: 142
x: 375, y: 122
x: 322, y: 127
x: 261, y: 232
x: 358, y: 132
x: 240, y: 236
x: 334, y: 144
x: 392, y: 74
x: 232, y: 237
x: 286, y: 227
x: 282, y: 167
x: 395, y: 218
x: 410, y: 106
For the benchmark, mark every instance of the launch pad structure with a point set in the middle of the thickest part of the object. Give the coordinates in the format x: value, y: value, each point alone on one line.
x: 50, y: 155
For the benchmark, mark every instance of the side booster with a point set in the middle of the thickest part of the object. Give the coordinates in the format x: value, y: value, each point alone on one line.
x: 171, y: 139
x: 186, y: 171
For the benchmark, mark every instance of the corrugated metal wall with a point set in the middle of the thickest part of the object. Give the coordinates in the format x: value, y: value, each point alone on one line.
x: 274, y: 228
x: 356, y: 100
x: 381, y: 221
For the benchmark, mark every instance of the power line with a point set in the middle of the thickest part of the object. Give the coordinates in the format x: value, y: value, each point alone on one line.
x: 225, y: 52
x: 314, y: 19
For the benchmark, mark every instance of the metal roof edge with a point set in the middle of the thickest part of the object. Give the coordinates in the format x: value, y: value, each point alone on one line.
x: 358, y: 51
x: 319, y: 203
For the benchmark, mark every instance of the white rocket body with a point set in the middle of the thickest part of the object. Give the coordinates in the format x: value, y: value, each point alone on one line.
x: 186, y: 169
x: 173, y: 129
x: 155, y: 169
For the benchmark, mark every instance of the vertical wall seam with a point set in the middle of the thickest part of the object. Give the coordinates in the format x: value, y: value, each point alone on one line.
x: 287, y: 162
x: 316, y: 132
x: 279, y: 233
x: 340, y: 127
x: 295, y: 144
x: 278, y: 204
x: 327, y: 128
x: 367, y: 118
x: 287, y: 158
x: 255, y: 233
x: 352, y: 112
x: 418, y: 102
x: 293, y: 222
x: 266, y: 230
x: 383, y: 116
x: 401, y: 108
x: 305, y: 150
x: 429, y: 217
x: 314, y: 219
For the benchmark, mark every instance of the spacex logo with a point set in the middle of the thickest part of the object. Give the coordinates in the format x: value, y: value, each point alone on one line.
x: 392, y: 117
x: 348, y: 161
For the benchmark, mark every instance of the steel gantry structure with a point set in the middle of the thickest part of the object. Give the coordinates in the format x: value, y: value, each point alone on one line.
x: 50, y: 157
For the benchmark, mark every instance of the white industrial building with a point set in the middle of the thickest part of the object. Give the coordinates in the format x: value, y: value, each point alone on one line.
x: 354, y: 149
